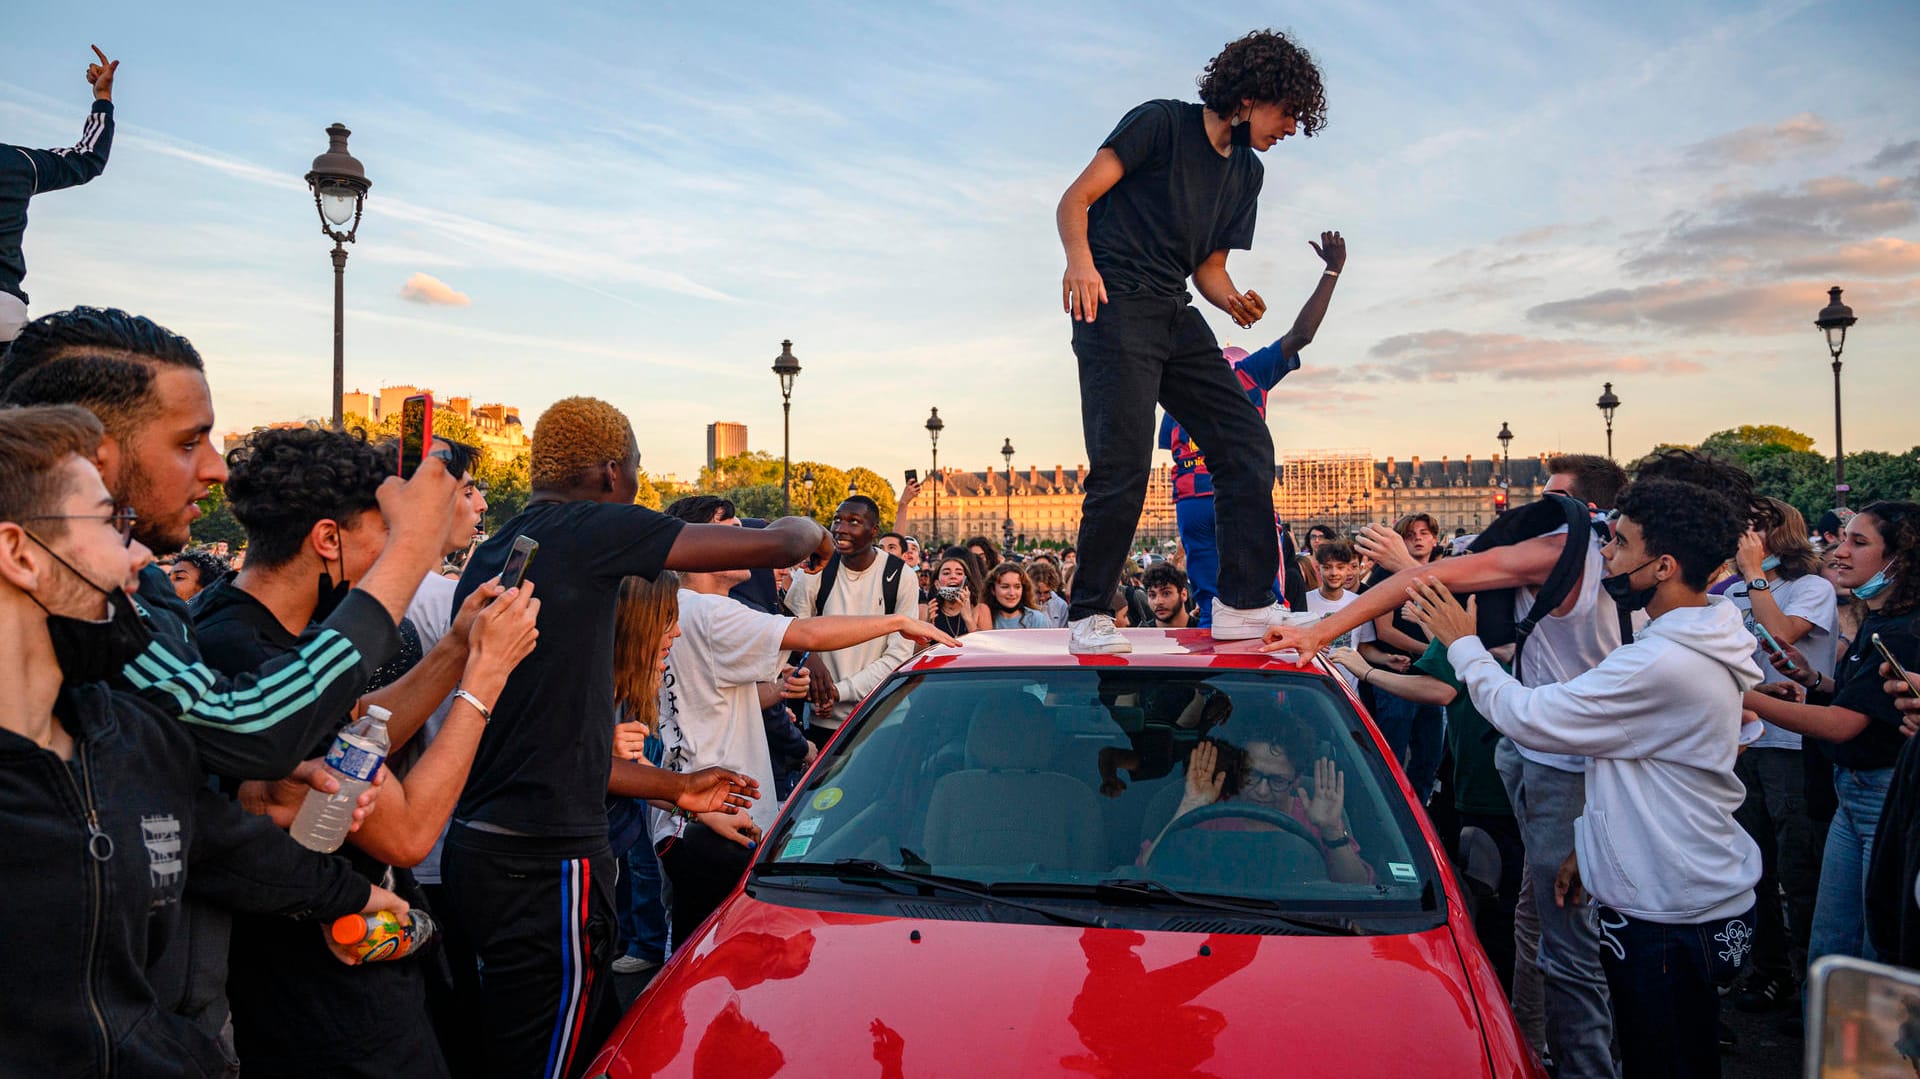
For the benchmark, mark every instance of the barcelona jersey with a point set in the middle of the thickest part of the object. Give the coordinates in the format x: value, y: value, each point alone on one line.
x: 1258, y: 373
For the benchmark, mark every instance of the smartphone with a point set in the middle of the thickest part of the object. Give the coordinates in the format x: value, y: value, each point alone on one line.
x: 1767, y: 642
x: 801, y: 660
x: 913, y: 475
x: 416, y: 432
x: 1899, y: 671
x: 515, y: 571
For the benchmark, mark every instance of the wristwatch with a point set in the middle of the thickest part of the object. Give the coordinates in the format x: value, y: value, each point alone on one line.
x: 1335, y: 844
x: 1759, y: 584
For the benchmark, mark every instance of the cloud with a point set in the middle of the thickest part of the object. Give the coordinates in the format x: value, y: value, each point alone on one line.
x: 1896, y: 153
x: 1745, y: 230
x: 1449, y: 355
x: 427, y: 289
x: 1762, y: 144
x: 1884, y: 257
x: 1715, y: 306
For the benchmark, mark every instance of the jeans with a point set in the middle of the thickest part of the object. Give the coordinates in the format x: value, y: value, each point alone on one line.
x: 1147, y: 349
x: 703, y: 867
x: 1579, y: 1015
x: 1775, y: 815
x: 1195, y: 518
x: 642, y: 910
x: 1663, y: 980
x: 1529, y: 991
x: 1417, y: 735
x: 1840, y: 911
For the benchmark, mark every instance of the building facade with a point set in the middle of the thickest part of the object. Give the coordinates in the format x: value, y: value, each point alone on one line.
x: 1045, y: 506
x: 725, y: 440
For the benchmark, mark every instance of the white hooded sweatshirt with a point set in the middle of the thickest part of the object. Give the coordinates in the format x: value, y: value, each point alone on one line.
x: 1660, y: 720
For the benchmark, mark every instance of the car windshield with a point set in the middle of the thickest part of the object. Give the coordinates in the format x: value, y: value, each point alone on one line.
x: 1254, y: 785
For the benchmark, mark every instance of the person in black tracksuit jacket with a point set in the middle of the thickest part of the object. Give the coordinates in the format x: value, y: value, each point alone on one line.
x: 26, y: 172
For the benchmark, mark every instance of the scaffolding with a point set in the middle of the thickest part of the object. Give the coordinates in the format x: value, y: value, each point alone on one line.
x: 1330, y: 487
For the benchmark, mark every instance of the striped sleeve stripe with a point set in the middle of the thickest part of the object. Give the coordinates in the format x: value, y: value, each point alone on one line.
x: 260, y: 712
x: 89, y: 135
x: 314, y: 653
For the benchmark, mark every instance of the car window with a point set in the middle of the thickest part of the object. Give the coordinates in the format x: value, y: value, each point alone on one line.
x: 1254, y: 784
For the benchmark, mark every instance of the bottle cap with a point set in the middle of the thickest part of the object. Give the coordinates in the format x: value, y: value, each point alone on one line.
x: 379, y: 714
x: 349, y: 929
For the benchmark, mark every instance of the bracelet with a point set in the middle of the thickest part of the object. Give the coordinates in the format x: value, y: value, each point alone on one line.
x: 486, y: 714
x: 1336, y: 844
x: 1331, y: 273
x: 1366, y: 674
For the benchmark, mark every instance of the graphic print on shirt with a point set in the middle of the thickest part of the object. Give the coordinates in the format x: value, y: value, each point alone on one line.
x: 162, y: 835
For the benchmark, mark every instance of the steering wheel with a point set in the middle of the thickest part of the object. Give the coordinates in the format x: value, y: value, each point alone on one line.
x: 1241, y: 810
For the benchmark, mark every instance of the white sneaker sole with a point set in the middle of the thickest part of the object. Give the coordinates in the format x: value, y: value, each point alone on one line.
x: 1110, y: 648
x: 1238, y: 633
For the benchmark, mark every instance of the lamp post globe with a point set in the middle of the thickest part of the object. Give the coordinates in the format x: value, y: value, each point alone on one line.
x: 934, y: 426
x: 339, y: 184
x: 1834, y: 320
x: 1607, y: 403
x: 787, y: 366
x: 1006, y: 525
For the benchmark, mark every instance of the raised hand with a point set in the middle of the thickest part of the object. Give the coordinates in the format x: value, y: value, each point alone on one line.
x: 100, y: 75
x: 471, y: 607
x: 1444, y: 618
x: 630, y: 740
x: 1387, y: 548
x: 503, y: 635
x: 1326, y: 809
x: 1751, y: 554
x: 717, y: 790
x: 1332, y: 250
x: 1204, y: 780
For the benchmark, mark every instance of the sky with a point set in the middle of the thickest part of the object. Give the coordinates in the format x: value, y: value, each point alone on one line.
x: 639, y: 202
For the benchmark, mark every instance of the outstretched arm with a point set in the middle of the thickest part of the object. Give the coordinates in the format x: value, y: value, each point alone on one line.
x: 1332, y: 250
x: 713, y: 548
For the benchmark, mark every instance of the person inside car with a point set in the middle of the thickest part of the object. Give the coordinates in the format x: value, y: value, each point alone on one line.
x: 1263, y: 774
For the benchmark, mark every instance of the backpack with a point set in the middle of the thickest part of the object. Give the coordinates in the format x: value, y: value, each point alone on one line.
x: 889, y: 582
x: 1496, y: 622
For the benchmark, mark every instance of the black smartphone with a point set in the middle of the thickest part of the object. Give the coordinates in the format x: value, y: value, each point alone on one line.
x: 1898, y: 671
x: 913, y: 475
x: 515, y: 571
x: 416, y: 432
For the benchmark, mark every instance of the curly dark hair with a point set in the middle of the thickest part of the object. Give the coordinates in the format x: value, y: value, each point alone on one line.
x: 1266, y: 66
x: 1696, y: 526
x: 1899, y: 527
x: 211, y: 567
x: 1165, y: 575
x: 703, y: 509
x: 287, y: 481
x: 100, y: 358
x: 1714, y: 474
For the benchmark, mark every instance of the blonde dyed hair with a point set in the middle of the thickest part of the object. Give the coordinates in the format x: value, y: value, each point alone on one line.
x: 573, y: 435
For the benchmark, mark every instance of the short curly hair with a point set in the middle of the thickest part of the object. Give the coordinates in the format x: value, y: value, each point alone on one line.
x: 211, y: 567
x: 1698, y: 527
x: 1266, y: 66
x: 573, y: 435
x: 288, y: 480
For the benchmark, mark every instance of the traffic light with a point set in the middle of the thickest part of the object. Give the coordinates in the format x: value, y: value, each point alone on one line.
x: 1499, y: 503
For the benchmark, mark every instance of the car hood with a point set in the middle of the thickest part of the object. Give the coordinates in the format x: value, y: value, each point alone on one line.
x: 767, y: 987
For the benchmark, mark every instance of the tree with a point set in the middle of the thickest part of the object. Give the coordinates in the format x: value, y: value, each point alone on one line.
x: 1748, y: 438
x: 743, y: 470
x: 754, y: 500
x: 216, y: 523
x: 508, y: 486
x: 828, y: 490
x: 868, y: 482
x: 1876, y: 476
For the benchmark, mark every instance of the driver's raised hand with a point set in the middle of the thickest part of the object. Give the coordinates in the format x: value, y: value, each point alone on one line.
x: 1204, y: 779
x: 1326, y: 809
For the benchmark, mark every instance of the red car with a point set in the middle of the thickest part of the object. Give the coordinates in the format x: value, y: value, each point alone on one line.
x: 1194, y: 860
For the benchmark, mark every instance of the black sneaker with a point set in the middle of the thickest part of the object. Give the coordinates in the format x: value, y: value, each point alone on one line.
x: 1763, y: 992
x: 1727, y: 1037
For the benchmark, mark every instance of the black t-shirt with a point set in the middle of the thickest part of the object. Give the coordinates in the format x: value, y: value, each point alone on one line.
x: 1858, y: 681
x: 1400, y: 620
x: 1178, y: 203
x: 296, y: 1009
x: 543, y: 762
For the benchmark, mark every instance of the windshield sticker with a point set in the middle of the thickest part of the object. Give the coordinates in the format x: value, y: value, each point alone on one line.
x: 796, y: 847
x: 827, y: 799
x: 1403, y: 872
x: 807, y: 827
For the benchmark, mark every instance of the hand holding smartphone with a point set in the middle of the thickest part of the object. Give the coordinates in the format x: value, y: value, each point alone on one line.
x: 1894, y: 664
x: 416, y: 432
x: 515, y: 571
x: 1772, y: 646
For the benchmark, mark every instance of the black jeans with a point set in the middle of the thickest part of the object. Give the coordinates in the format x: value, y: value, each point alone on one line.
x: 703, y: 866
x: 1775, y: 815
x: 1147, y: 349
x: 1663, y: 978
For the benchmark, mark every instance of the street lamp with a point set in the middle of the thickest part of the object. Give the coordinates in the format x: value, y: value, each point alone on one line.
x: 806, y: 484
x: 787, y: 366
x: 1834, y: 320
x: 1506, y: 469
x: 1006, y: 526
x: 1608, y: 402
x: 339, y: 193
x: 934, y: 426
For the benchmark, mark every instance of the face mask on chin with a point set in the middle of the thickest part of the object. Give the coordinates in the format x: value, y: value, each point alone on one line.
x: 328, y: 595
x: 1874, y: 585
x: 1625, y: 595
x: 94, y: 651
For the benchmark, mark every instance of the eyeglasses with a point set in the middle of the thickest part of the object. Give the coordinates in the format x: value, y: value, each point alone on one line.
x: 121, y: 519
x: 1279, y: 783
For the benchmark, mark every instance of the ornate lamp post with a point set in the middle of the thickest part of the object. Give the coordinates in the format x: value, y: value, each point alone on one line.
x: 1834, y: 320
x: 1506, y: 469
x: 1006, y: 526
x: 339, y: 187
x: 1607, y: 403
x: 934, y: 426
x: 806, y: 487
x: 787, y: 366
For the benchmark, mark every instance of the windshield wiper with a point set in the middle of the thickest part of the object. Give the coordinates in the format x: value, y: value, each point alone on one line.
x: 859, y: 869
x: 1151, y: 891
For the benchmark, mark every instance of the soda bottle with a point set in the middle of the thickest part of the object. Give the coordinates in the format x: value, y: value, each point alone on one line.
x: 382, y: 935
x: 356, y: 757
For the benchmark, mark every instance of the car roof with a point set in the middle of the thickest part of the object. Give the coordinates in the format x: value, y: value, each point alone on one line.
x: 1152, y: 648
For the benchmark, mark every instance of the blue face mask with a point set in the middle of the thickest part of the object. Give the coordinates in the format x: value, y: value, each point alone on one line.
x: 1875, y: 585
x: 1770, y: 563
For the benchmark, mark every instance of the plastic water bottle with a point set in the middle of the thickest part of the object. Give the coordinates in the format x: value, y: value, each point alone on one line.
x: 383, y: 935
x: 356, y: 757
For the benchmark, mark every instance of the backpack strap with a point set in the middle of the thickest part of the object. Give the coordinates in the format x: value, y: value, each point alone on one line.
x: 1560, y: 580
x: 827, y: 576
x: 891, y: 573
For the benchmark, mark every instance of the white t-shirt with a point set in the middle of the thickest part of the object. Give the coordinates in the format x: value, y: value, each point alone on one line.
x: 431, y: 612
x: 1810, y: 597
x: 710, y: 701
x: 859, y: 669
x: 1564, y: 647
x: 1318, y: 603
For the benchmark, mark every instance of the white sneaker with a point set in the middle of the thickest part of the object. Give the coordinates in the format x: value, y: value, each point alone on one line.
x: 633, y: 964
x: 1095, y: 635
x: 1237, y: 624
